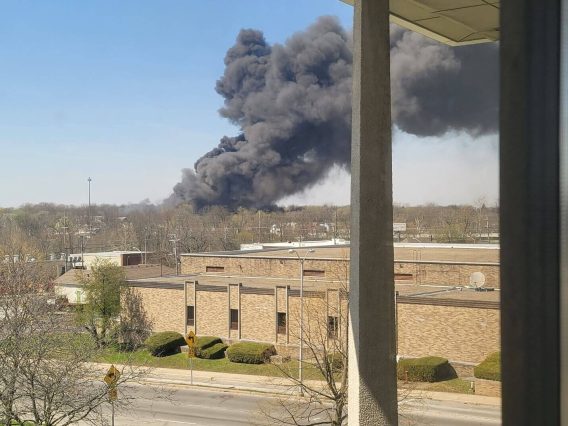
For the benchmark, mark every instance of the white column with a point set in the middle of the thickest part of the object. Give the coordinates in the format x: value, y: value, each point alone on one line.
x: 372, y: 353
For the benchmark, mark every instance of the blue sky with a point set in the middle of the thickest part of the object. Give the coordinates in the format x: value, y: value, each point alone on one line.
x: 123, y: 91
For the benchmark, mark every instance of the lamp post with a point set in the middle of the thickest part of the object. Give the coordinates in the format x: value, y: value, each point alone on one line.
x: 89, y: 180
x: 302, y: 260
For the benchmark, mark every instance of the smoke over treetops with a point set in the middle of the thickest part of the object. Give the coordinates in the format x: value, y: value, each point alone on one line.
x: 292, y: 103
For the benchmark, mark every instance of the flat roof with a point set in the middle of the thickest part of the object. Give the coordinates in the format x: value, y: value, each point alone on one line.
x: 133, y: 272
x: 452, y: 22
x: 419, y: 292
x: 482, y: 253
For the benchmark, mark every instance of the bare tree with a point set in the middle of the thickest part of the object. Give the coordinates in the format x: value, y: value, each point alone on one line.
x: 134, y: 325
x: 323, y: 399
x: 47, y: 376
x: 324, y: 329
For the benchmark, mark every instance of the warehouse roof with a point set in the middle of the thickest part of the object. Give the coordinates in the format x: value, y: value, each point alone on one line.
x: 73, y: 276
x: 402, y: 252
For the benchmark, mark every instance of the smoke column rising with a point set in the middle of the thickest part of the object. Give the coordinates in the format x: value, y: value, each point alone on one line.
x: 293, y: 105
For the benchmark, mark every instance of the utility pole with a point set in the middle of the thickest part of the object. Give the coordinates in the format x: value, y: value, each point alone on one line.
x: 335, y: 234
x: 89, y: 180
x: 174, y: 240
x: 82, y: 251
x: 145, y: 243
x: 259, y: 226
x: 64, y: 227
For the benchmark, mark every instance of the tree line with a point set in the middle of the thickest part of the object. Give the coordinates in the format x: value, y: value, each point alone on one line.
x: 51, y: 230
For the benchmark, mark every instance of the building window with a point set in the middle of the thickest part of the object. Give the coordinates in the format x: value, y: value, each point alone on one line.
x: 332, y: 327
x: 281, y: 328
x: 191, y: 315
x: 234, y: 319
x: 313, y: 273
x: 402, y: 277
x: 214, y: 269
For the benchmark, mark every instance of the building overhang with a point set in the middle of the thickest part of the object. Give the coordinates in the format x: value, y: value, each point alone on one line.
x: 452, y: 22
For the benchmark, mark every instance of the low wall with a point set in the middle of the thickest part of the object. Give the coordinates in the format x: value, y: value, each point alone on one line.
x: 464, y: 331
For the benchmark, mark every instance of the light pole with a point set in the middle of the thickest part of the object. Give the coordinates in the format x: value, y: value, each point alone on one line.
x: 89, y: 180
x: 301, y: 360
x: 174, y: 240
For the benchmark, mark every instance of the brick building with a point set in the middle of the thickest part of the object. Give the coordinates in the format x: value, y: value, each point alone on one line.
x: 254, y: 295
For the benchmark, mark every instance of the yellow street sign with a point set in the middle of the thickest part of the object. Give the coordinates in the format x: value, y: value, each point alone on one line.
x: 190, y: 340
x: 112, y: 376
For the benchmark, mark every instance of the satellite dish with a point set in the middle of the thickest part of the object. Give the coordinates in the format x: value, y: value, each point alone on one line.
x: 477, y: 280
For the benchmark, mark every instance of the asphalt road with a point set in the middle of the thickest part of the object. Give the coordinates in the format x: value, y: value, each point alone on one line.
x: 187, y: 406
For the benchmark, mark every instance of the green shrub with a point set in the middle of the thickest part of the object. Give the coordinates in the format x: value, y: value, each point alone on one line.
x: 426, y: 369
x: 250, y: 352
x: 217, y: 351
x: 489, y: 368
x: 204, y: 342
x: 164, y: 343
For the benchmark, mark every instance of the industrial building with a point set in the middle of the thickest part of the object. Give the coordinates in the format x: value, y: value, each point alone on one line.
x: 255, y: 295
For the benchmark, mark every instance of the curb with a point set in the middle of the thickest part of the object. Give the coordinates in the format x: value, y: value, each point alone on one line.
x: 218, y: 386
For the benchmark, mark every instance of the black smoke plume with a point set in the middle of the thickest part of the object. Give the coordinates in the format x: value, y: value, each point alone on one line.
x: 292, y: 103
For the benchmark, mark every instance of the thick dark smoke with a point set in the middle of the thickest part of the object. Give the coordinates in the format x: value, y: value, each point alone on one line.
x: 293, y: 105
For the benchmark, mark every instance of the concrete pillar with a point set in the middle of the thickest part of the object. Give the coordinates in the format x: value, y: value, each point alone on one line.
x: 530, y: 206
x: 372, y: 356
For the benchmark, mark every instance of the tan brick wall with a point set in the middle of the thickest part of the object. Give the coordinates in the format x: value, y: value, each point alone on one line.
x: 164, y: 307
x: 315, y: 319
x: 445, y: 274
x: 337, y: 269
x: 456, y: 333
x: 212, y: 314
x: 191, y: 293
x: 282, y: 294
x: 260, y: 267
x: 258, y: 317
x: 234, y: 296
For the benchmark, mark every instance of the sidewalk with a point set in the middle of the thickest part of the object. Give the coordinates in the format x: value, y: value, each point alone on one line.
x: 277, y: 386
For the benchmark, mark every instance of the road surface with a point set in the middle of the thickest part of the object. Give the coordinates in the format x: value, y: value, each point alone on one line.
x: 197, y: 407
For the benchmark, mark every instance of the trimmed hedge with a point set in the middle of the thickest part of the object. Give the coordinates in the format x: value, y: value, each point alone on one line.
x: 426, y: 369
x: 204, y: 342
x: 250, y: 352
x: 489, y: 368
x: 164, y: 343
x: 217, y: 351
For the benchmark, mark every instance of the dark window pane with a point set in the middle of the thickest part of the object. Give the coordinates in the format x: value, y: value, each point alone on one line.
x: 332, y: 327
x: 234, y: 319
x: 191, y: 315
x: 281, y: 323
x: 313, y: 273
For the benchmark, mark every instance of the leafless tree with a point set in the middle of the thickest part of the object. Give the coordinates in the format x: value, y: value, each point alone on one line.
x: 47, y: 376
x: 324, y: 331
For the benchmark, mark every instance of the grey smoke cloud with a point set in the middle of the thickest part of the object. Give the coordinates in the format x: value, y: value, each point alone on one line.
x: 292, y: 102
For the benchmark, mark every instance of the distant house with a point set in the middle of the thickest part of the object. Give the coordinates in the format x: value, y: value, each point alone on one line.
x: 119, y: 258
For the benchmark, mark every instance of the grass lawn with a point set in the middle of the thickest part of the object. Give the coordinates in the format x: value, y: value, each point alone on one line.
x: 452, y: 385
x: 143, y: 357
